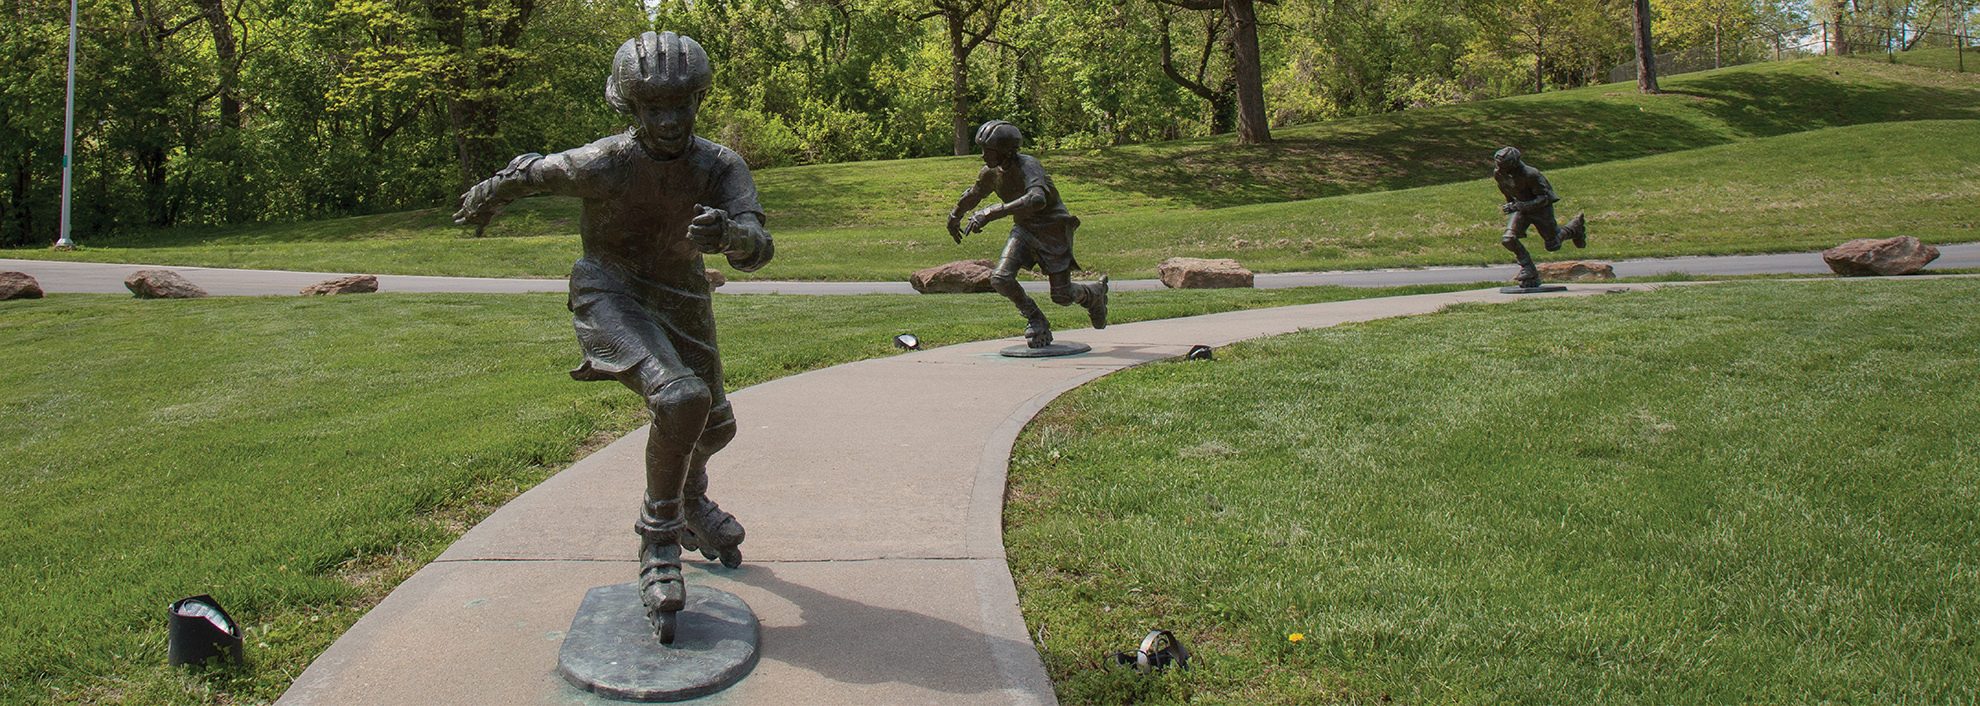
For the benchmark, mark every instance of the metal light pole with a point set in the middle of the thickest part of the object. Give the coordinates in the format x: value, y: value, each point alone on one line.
x: 63, y: 242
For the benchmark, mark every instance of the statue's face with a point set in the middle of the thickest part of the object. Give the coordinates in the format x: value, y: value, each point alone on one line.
x: 1504, y: 163
x: 666, y: 123
x: 994, y: 157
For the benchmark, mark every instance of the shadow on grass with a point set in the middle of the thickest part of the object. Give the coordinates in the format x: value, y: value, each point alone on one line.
x: 1768, y: 104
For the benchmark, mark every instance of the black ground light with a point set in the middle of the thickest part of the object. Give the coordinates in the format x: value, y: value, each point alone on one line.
x: 200, y: 630
x: 907, y: 341
x: 1158, y: 651
x: 1200, y: 353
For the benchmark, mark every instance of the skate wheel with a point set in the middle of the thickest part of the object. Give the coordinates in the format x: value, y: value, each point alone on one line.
x: 732, y: 557
x: 664, y: 623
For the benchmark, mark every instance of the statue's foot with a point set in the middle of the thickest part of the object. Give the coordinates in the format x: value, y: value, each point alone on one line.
x: 1579, y: 227
x: 711, y: 531
x: 661, y: 587
x: 1096, y: 306
x: 1528, y: 277
x: 1038, y: 332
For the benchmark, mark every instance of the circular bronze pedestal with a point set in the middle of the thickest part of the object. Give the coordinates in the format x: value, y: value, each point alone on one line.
x: 1052, y: 351
x: 610, y: 650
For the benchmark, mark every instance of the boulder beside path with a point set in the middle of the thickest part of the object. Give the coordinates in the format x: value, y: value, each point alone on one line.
x: 961, y: 277
x: 19, y: 285
x: 1864, y: 257
x: 1576, y: 271
x: 1200, y: 273
x: 162, y: 284
x: 354, y: 284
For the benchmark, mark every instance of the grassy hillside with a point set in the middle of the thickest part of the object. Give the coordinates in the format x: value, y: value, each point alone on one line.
x: 887, y: 215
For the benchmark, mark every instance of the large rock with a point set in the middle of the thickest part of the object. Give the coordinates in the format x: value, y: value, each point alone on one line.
x: 1199, y: 273
x: 1576, y: 271
x: 1902, y: 255
x: 161, y: 284
x: 18, y: 285
x: 964, y: 277
x: 354, y: 284
x: 715, y: 277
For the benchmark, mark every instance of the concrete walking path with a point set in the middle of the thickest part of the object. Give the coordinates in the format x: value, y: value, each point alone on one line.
x: 82, y: 277
x: 873, y: 495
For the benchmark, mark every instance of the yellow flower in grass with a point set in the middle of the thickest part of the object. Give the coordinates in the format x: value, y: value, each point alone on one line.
x: 1295, y: 636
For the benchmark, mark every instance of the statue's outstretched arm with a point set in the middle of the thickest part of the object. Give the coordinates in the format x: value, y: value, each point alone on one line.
x: 482, y: 201
x: 1033, y: 199
x: 970, y: 197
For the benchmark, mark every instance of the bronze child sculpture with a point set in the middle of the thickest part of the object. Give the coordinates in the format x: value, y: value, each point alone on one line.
x: 1041, y: 231
x: 1530, y: 201
x: 656, y: 198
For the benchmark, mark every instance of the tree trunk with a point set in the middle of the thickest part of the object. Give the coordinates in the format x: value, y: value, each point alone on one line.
x: 227, y: 51
x: 1253, y: 126
x: 958, y: 82
x: 1841, y: 33
x: 1646, y: 52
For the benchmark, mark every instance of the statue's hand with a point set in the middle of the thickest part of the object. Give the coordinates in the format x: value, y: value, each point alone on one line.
x: 710, y: 230
x: 1509, y: 207
x: 955, y: 228
x: 476, y: 207
x: 977, y: 220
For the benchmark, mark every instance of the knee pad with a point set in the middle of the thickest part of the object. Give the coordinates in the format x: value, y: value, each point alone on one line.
x: 1508, y: 239
x: 1063, y: 296
x: 680, y: 401
x: 721, y: 430
x: 1005, y: 283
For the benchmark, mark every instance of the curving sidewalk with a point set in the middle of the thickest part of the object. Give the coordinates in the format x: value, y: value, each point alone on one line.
x: 873, y: 494
x: 95, y: 277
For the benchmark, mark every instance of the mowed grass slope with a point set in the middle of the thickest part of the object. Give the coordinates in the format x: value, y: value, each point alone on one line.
x: 1741, y: 493
x: 298, y: 457
x: 880, y: 220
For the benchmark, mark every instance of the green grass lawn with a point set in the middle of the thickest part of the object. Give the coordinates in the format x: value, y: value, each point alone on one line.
x: 1744, y: 493
x: 298, y: 457
x: 1945, y: 58
x: 881, y: 220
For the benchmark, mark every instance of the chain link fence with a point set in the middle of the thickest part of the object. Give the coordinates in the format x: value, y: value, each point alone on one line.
x: 1818, y: 39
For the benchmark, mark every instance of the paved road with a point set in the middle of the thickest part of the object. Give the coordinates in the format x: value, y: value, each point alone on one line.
x: 100, y: 277
x: 873, y: 492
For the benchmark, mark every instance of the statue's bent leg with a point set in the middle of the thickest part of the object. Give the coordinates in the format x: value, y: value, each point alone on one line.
x: 1550, y: 230
x: 1037, y: 330
x: 709, y: 529
x: 1091, y: 295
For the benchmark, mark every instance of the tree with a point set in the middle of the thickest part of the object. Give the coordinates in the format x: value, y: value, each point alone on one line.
x: 969, y: 24
x: 1222, y: 99
x: 1254, y: 128
x: 1646, y: 52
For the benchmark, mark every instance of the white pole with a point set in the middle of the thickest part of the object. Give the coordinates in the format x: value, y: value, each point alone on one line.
x: 68, y: 135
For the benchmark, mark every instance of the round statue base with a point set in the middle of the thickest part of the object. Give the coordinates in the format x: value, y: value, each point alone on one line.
x: 611, y: 651
x: 1533, y: 290
x: 1052, y: 351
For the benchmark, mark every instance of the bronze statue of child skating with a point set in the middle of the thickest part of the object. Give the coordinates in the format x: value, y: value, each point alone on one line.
x: 1041, y: 231
x: 656, y: 198
x: 1530, y: 202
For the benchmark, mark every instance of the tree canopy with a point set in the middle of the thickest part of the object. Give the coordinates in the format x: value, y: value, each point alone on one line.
x: 193, y: 112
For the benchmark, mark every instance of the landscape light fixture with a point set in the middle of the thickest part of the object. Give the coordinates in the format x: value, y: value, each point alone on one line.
x: 199, y: 630
x: 1157, y: 652
x: 907, y: 341
x: 1200, y: 353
